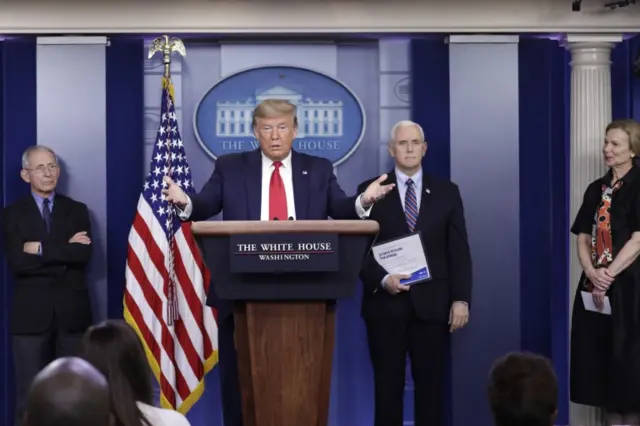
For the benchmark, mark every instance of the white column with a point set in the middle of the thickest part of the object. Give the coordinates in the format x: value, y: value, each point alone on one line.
x: 590, y: 115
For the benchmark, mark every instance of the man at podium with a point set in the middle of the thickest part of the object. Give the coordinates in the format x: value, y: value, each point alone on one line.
x: 414, y: 316
x: 259, y: 185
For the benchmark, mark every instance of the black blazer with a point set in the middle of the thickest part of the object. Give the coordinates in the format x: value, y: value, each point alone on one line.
x: 444, y: 237
x: 56, y: 280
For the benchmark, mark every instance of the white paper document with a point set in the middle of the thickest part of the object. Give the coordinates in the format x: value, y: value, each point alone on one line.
x: 403, y: 256
x: 587, y: 300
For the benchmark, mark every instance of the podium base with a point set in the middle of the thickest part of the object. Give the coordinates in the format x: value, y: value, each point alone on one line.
x: 285, y: 352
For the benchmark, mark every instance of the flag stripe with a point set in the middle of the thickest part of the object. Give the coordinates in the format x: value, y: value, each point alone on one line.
x: 165, y: 270
x: 196, y: 279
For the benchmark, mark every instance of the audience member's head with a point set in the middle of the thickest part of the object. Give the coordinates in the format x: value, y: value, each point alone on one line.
x: 523, y: 391
x: 69, y: 392
x: 114, y: 348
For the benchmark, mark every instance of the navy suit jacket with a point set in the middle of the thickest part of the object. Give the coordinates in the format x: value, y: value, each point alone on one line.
x: 235, y: 189
x: 443, y: 231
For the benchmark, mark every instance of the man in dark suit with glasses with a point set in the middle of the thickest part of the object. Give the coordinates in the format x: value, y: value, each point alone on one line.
x: 47, y: 239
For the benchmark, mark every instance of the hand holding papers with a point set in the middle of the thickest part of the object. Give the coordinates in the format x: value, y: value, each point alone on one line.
x: 404, y: 255
x: 590, y: 305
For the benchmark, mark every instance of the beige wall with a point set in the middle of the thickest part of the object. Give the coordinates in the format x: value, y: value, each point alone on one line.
x: 312, y: 16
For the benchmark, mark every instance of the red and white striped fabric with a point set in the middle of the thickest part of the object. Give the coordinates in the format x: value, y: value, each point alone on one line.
x: 167, y: 280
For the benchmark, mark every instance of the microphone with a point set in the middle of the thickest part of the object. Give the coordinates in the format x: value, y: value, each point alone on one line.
x: 275, y: 218
x: 291, y: 218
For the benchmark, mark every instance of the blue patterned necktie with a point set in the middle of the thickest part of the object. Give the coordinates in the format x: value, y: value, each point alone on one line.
x: 46, y: 214
x: 411, y: 206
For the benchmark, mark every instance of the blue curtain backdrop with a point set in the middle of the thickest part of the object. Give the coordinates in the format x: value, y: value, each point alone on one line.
x: 624, y: 85
x: 18, y: 121
x: 125, y: 155
x: 430, y: 101
x: 543, y: 97
x: 431, y: 110
x: 635, y: 89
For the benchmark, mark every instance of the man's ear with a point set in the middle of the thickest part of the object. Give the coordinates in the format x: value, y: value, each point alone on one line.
x: 24, y: 174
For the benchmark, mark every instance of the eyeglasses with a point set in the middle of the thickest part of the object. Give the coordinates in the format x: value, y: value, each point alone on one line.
x: 42, y: 169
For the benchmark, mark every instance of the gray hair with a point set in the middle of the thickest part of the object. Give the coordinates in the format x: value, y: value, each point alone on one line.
x: 401, y: 125
x: 34, y: 148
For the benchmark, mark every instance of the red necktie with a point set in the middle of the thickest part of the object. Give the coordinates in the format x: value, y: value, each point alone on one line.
x: 277, y: 196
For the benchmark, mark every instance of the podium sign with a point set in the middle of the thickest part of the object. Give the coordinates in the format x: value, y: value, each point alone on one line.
x: 279, y: 253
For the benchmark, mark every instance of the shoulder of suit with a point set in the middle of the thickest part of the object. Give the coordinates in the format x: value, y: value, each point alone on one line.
x: 314, y: 160
x: 232, y: 158
x: 438, y: 182
x: 19, y: 204
x: 594, y: 189
x: 70, y: 201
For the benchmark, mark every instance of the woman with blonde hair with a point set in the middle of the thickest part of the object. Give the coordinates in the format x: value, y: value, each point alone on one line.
x: 605, y: 343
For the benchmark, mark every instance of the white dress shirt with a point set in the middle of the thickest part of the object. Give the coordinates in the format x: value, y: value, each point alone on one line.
x: 287, y: 178
x: 161, y: 416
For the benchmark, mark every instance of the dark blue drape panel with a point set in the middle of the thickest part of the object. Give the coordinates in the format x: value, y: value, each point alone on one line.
x: 429, y: 60
x: 19, y: 116
x: 430, y: 101
x: 125, y: 156
x: 635, y: 83
x: 544, y: 291
x: 621, y: 80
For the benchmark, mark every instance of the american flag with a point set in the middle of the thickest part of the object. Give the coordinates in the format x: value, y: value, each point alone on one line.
x: 166, y: 278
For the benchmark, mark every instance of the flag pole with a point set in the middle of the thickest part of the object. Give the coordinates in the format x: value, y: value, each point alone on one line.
x: 166, y: 46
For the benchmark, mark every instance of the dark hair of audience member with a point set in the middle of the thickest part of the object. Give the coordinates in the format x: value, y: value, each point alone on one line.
x: 523, y: 391
x: 114, y: 349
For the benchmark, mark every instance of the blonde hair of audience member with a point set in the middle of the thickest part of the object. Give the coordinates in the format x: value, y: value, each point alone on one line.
x: 114, y: 348
x: 70, y: 392
x: 275, y: 125
x: 523, y: 390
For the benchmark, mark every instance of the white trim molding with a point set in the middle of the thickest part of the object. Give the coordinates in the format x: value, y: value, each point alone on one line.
x: 594, y: 38
x: 313, y: 16
x: 71, y: 40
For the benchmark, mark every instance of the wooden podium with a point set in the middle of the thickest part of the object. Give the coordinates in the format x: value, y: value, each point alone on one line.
x: 284, y: 277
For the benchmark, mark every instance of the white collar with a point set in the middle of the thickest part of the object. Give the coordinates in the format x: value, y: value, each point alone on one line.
x: 286, y: 162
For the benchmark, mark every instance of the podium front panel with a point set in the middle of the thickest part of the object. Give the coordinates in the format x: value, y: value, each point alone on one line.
x: 285, y: 285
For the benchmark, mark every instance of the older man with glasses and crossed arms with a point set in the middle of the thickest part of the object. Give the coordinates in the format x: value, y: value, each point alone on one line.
x: 47, y: 240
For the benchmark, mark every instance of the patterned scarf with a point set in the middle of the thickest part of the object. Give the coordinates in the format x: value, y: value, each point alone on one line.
x: 601, y: 243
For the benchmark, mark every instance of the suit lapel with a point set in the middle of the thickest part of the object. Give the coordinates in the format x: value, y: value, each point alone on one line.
x: 33, y: 216
x: 253, y: 183
x: 424, y: 200
x: 60, y: 208
x: 300, y: 180
x: 395, y: 210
